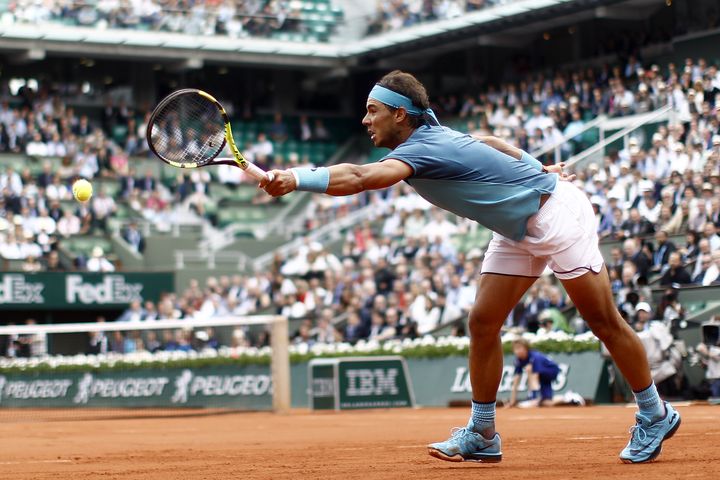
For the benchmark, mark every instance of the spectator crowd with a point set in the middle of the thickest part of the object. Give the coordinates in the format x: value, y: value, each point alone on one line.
x: 255, y: 18
x: 37, y: 211
x: 396, y: 14
x: 404, y: 275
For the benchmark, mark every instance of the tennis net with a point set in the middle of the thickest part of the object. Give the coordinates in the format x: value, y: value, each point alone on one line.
x: 145, y: 368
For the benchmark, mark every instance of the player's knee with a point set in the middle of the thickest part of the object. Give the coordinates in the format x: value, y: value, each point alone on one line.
x: 607, y: 326
x: 481, y: 325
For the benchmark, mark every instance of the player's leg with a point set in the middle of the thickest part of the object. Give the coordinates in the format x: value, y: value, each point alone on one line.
x: 592, y: 296
x: 486, y: 319
x: 569, y: 230
x: 479, y: 441
x: 656, y: 420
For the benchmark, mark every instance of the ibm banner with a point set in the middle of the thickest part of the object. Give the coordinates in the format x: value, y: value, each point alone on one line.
x: 71, y: 291
x: 232, y: 387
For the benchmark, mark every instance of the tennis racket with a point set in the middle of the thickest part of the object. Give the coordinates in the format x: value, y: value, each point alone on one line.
x: 189, y: 129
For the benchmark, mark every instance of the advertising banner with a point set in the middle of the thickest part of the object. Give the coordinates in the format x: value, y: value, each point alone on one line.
x: 360, y: 382
x: 248, y: 388
x: 76, y: 290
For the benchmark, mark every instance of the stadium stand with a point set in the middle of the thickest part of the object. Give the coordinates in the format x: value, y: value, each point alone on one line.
x: 309, y: 21
x: 386, y: 274
x: 393, y: 15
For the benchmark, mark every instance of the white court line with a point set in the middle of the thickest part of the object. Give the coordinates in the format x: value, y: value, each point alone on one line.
x: 561, y: 417
x: 35, y: 461
x: 350, y: 449
x: 605, y: 437
x: 599, y: 437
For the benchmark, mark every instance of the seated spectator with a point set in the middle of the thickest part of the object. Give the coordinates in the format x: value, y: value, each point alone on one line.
x: 324, y: 332
x: 278, y: 130
x: 353, y: 328
x: 69, y: 224
x: 708, y: 272
x: 320, y: 133
x: 710, y: 233
x: 31, y: 265
x: 127, y: 183
x: 103, y: 206
x: 305, y: 130
x: 636, y: 225
x: 98, y: 262
x: 52, y: 262
x: 132, y: 236
x: 262, y: 150
x: 633, y: 253
x: 97, y: 343
x: 643, y: 315
x: 152, y: 344
x: 663, y: 249
x: 675, y: 272
x: 134, y: 313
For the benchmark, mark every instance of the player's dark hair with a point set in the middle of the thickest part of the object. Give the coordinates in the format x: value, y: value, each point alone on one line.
x: 406, y: 84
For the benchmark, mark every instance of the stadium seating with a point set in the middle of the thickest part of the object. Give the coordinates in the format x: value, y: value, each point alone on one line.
x: 304, y: 21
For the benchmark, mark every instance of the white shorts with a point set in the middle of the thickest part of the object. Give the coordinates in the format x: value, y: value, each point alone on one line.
x: 561, y: 235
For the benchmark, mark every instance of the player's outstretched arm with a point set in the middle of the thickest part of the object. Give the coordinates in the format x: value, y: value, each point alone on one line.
x: 345, y: 178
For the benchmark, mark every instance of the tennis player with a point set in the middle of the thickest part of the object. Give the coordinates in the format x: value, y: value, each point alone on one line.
x: 538, y: 219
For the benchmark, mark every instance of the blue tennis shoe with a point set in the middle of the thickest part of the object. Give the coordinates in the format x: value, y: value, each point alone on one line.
x: 464, y: 445
x: 646, y: 437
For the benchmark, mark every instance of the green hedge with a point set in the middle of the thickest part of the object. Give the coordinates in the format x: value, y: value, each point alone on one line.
x: 421, y: 351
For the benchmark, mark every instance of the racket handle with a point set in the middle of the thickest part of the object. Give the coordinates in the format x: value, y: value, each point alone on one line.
x: 257, y: 173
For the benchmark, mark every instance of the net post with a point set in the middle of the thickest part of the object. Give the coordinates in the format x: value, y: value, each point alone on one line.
x: 280, y: 364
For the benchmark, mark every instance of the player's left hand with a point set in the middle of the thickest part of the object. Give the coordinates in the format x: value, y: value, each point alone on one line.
x: 282, y: 183
x: 558, y: 168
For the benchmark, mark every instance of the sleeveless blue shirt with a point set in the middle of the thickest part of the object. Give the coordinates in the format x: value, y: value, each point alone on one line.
x: 460, y: 174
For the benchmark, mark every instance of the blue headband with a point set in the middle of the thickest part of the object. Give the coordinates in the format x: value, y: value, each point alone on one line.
x: 397, y: 100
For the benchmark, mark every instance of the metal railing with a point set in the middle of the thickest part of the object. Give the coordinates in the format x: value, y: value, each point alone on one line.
x: 328, y: 232
x: 595, y: 123
x: 637, y: 122
x: 211, y: 259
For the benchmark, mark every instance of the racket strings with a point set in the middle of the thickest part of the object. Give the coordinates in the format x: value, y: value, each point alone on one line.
x: 188, y: 129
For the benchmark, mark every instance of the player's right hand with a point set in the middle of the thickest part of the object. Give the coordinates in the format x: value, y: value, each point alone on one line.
x: 283, y: 183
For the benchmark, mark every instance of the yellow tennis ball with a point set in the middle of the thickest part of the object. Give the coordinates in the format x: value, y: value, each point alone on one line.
x: 82, y: 190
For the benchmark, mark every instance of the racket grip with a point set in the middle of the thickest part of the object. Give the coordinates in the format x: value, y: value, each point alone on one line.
x: 257, y: 173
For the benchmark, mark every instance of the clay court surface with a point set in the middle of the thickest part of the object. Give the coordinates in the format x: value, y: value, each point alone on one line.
x: 559, y: 443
